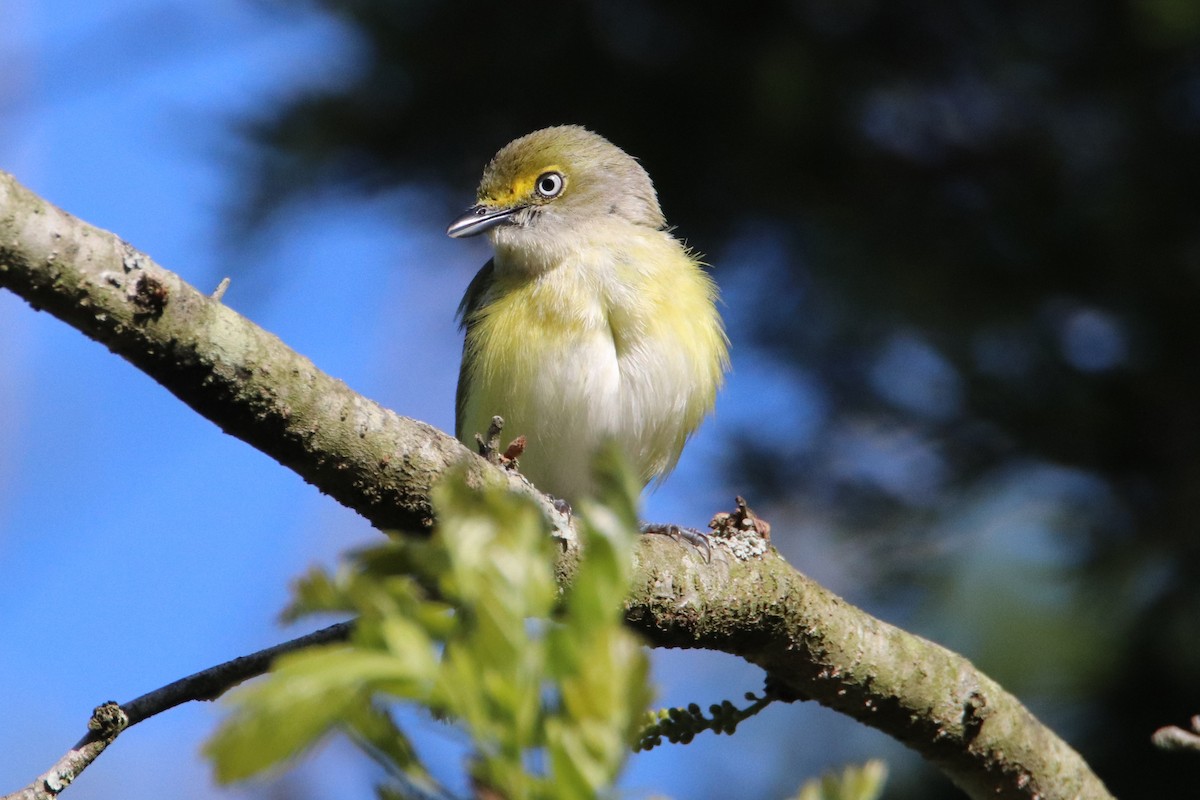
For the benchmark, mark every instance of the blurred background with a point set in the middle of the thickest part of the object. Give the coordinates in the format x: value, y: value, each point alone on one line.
x: 959, y: 248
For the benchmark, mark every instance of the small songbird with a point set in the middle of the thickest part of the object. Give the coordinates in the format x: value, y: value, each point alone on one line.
x: 591, y: 322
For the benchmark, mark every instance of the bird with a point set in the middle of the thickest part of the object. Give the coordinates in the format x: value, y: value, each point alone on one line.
x: 591, y: 322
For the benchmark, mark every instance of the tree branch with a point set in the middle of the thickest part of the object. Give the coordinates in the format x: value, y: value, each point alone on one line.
x: 109, y: 719
x: 1172, y: 737
x: 812, y: 644
x: 227, y: 369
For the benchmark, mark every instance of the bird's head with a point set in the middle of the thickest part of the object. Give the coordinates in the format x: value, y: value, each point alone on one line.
x: 556, y: 181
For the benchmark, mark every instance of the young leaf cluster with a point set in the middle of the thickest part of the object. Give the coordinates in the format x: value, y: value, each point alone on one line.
x: 470, y: 624
x: 680, y: 725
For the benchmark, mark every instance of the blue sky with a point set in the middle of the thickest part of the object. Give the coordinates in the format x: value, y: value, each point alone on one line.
x: 138, y: 543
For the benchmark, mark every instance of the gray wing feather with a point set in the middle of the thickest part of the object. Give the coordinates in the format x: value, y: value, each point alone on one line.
x: 471, y: 301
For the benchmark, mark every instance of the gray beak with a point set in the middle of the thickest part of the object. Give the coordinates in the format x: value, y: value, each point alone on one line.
x: 478, y: 219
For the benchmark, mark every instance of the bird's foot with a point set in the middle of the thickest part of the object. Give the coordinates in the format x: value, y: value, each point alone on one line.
x: 680, y: 534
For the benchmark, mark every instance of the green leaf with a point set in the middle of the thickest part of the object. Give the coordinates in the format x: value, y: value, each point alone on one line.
x: 275, y: 721
x: 597, y: 664
x: 550, y: 685
x: 307, y: 694
x: 855, y: 783
x: 374, y: 729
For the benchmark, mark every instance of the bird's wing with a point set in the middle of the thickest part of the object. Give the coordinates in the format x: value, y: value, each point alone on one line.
x: 471, y: 301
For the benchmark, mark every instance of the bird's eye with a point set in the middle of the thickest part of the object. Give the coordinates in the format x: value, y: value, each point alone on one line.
x: 549, y: 184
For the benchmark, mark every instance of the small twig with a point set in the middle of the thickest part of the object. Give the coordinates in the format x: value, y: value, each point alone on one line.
x: 740, y: 521
x: 109, y: 719
x: 1172, y: 737
x: 219, y: 292
x: 489, y: 443
x: 489, y: 446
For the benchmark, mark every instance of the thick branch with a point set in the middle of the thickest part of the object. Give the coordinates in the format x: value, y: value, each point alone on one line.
x: 816, y: 646
x: 225, y: 367
x: 811, y: 642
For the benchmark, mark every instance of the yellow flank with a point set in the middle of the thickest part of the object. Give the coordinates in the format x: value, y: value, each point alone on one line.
x: 592, y: 322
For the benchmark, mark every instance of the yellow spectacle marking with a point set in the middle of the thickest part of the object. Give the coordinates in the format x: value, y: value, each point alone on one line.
x: 521, y: 188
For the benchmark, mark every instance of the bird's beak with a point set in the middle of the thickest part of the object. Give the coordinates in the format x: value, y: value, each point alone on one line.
x: 479, y: 218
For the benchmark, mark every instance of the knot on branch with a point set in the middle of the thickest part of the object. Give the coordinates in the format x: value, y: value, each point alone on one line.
x: 975, y: 713
x: 744, y: 532
x: 149, y: 296
x: 108, y: 719
x: 777, y: 689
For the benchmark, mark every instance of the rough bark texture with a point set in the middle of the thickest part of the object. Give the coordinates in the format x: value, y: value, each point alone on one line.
x: 816, y: 646
x: 226, y: 368
x: 811, y: 643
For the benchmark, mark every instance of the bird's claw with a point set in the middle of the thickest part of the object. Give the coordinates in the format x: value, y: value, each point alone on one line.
x: 680, y: 534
